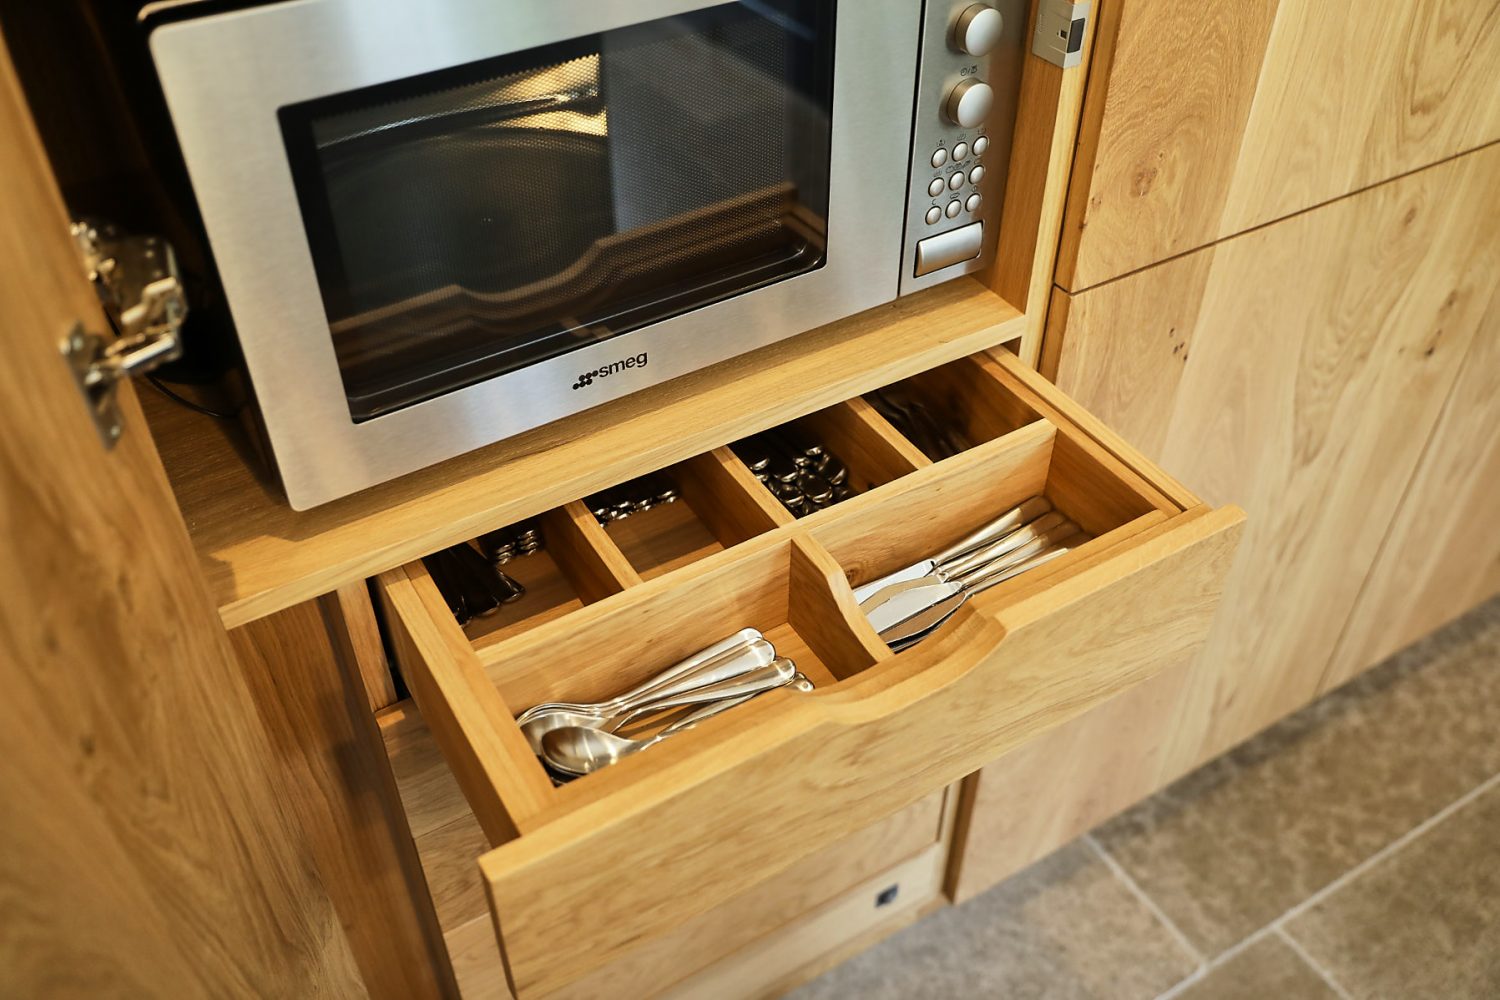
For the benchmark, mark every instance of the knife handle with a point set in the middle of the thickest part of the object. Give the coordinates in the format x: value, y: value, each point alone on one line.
x: 1001, y: 526
x: 965, y: 564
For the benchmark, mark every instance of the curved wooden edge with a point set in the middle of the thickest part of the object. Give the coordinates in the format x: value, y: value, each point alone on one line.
x: 787, y: 775
x: 470, y: 721
x: 822, y: 607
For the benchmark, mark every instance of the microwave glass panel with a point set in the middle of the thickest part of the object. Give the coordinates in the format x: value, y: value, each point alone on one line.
x: 471, y: 222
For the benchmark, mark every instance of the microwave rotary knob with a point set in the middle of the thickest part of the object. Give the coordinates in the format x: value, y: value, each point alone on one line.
x: 969, y: 103
x: 978, y: 29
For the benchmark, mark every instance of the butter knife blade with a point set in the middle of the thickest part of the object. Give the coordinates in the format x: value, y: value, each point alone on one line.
x: 910, y: 602
x: 915, y: 571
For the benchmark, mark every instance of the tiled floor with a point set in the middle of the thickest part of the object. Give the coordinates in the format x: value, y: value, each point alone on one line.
x: 1352, y: 851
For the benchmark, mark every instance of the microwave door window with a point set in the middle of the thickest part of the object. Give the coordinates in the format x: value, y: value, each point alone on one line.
x: 475, y: 221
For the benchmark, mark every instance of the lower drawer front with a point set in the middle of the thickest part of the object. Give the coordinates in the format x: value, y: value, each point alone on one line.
x: 585, y: 873
x: 750, y: 946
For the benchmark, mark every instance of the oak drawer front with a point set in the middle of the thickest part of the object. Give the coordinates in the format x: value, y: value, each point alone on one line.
x: 723, y: 807
x: 747, y: 946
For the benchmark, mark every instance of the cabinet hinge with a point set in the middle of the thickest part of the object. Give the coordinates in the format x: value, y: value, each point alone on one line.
x: 1060, y: 28
x: 137, y: 281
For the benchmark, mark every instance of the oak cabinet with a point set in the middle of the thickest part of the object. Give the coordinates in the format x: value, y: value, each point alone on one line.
x: 1336, y: 374
x: 1207, y: 122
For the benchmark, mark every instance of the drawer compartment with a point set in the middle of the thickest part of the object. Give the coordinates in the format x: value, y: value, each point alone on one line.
x: 701, y: 521
x: 721, y: 808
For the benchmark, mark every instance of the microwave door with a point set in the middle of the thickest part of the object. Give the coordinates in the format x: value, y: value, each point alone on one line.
x: 430, y: 231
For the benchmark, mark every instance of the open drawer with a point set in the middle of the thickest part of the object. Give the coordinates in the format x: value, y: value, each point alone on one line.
x: 582, y: 873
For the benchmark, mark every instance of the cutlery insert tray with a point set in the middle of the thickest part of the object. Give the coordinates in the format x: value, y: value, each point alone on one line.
x: 581, y: 873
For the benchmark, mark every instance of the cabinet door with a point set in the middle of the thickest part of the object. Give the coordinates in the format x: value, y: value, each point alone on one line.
x: 1301, y: 369
x: 144, y: 851
x: 1206, y: 122
x: 1442, y: 555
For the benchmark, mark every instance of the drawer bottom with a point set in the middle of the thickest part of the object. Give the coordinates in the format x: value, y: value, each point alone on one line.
x: 758, y: 944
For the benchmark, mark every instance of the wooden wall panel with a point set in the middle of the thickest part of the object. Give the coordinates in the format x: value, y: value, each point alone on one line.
x: 1059, y: 785
x: 1233, y: 115
x: 1308, y: 371
x: 1442, y: 555
x: 1313, y: 364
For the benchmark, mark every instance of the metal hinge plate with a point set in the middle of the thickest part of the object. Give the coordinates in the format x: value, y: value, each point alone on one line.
x: 138, y: 283
x: 1060, y: 27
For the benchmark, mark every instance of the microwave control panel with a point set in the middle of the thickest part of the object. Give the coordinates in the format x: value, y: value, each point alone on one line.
x: 968, y: 86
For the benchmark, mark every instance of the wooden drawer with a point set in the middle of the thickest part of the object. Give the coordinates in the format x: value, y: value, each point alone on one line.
x: 584, y: 873
x: 754, y: 945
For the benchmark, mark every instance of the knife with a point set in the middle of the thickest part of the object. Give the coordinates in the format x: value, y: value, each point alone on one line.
x: 918, y: 596
x: 995, y: 530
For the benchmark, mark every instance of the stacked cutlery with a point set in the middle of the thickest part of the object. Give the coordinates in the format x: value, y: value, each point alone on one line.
x: 910, y: 604
x: 577, y: 738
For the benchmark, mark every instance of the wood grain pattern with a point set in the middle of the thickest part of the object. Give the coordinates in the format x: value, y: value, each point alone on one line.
x: 872, y: 450
x: 579, y: 546
x: 746, y: 942
x: 1270, y: 107
x: 1036, y: 188
x: 788, y: 762
x: 1310, y: 361
x: 1442, y: 553
x: 786, y: 774
x: 1063, y: 783
x: 1302, y: 370
x: 801, y: 949
x: 145, y: 849
x: 260, y: 556
x: 357, y: 612
x: 301, y: 670
x: 448, y: 682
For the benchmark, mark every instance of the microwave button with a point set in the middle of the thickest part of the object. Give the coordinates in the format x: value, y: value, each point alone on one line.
x: 978, y: 29
x: 981, y: 144
x: 976, y: 175
x: 933, y: 215
x: 956, y: 181
x: 961, y: 151
x: 973, y: 203
x: 954, y: 207
x: 953, y: 247
x: 969, y: 103
x: 940, y: 157
x: 936, y: 187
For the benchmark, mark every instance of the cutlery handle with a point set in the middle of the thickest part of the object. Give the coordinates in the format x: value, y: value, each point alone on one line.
x: 1017, y: 569
x: 1036, y: 545
x: 1001, y: 526
x: 733, y: 666
x: 984, y: 555
x: 702, y: 658
x: 757, y: 680
x: 706, y: 712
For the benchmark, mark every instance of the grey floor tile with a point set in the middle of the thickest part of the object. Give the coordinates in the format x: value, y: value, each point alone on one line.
x: 1065, y: 929
x: 1423, y: 922
x: 1267, y: 970
x: 1232, y: 846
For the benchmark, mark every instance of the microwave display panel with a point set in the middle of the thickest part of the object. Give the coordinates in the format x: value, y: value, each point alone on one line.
x: 471, y: 222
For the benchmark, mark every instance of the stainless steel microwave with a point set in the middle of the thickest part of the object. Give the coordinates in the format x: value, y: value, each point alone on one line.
x: 440, y: 224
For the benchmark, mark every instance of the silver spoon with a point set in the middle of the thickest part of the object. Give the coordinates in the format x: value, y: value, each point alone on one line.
x: 779, y: 673
x: 580, y: 750
x: 725, y: 669
x: 702, y: 658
